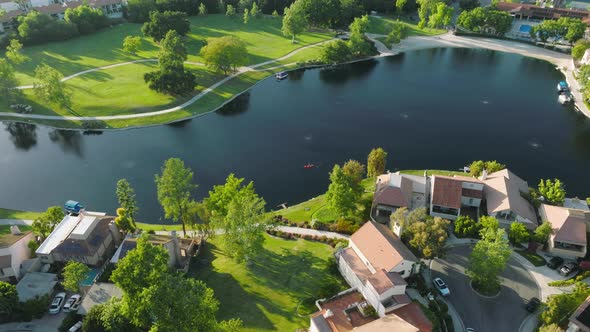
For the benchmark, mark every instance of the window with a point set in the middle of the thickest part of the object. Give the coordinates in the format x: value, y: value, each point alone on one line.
x: 445, y: 210
x: 470, y: 201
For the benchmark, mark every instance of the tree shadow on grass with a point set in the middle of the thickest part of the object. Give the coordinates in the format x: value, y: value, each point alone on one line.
x: 235, y: 301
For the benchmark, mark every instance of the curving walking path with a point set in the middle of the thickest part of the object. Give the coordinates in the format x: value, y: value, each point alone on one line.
x: 562, y: 61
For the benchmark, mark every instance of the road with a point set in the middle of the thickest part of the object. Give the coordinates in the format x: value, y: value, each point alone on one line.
x: 502, y: 313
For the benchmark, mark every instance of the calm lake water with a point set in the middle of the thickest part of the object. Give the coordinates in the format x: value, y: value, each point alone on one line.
x: 437, y: 109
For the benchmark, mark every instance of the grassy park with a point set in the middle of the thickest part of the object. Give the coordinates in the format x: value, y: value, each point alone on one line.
x: 266, y: 292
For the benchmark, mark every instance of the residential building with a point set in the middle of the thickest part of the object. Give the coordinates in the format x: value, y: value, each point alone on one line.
x: 347, y: 312
x: 568, y: 237
x: 35, y: 284
x: 580, y: 319
x: 531, y: 12
x: 503, y: 193
x: 449, y: 195
x: 14, y: 250
x: 54, y: 8
x: 99, y: 293
x: 179, y: 250
x: 89, y: 238
x: 376, y: 263
x: 396, y: 190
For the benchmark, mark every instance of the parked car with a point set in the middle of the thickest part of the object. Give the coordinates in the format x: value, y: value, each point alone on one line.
x: 470, y: 329
x: 568, y: 268
x: 76, y: 327
x: 555, y: 262
x: 57, y: 302
x: 73, y: 303
x: 442, y: 287
x: 533, y: 304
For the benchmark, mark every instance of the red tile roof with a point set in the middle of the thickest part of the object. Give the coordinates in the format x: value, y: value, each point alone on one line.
x: 472, y: 193
x: 413, y: 314
x: 340, y: 321
x: 383, y: 281
x: 392, y: 196
x: 447, y: 192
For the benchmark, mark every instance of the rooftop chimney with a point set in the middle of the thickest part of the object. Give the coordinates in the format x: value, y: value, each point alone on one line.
x: 14, y: 230
x: 484, y: 175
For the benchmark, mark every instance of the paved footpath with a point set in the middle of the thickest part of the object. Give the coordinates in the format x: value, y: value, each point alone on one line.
x: 286, y: 229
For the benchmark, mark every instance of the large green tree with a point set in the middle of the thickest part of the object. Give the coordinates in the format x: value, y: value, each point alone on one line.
x: 561, y: 306
x: 580, y: 48
x: 399, y: 32
x: 542, y: 232
x: 341, y: 196
x: 428, y: 236
x: 552, y: 190
x: 485, y: 20
x: 294, y: 21
x: 225, y: 54
x: 221, y: 196
x: 376, y: 162
x: 74, y: 273
x: 8, y: 300
x: 425, y: 9
x: 175, y: 187
x: 7, y: 81
x: 86, y: 19
x: 466, y: 227
x: 48, y: 86
x: 14, y: 52
x: 488, y: 260
x: 477, y: 167
x: 131, y: 44
x: 355, y: 172
x: 518, y: 233
x: 162, y: 22
x: 441, y: 16
x: 46, y: 222
x: 126, y: 198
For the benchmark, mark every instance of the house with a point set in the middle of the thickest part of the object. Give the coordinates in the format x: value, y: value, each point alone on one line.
x: 531, y: 12
x: 347, y: 312
x: 14, y: 250
x: 449, y: 194
x: 89, y: 238
x: 568, y: 237
x: 503, y: 195
x: 35, y: 284
x: 376, y: 263
x: 99, y: 293
x: 54, y: 8
x: 179, y: 250
x: 580, y: 319
x: 396, y: 190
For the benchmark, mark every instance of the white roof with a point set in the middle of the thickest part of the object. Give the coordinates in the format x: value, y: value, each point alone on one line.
x: 63, y: 230
x: 35, y: 284
x: 99, y: 293
x: 576, y: 204
x: 85, y: 226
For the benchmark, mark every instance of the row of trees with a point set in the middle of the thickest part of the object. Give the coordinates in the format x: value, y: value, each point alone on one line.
x: 358, y: 46
x: 518, y: 232
x: 485, y: 20
x: 570, y: 29
x: 434, y: 13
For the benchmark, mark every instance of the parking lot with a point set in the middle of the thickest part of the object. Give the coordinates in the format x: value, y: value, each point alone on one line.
x: 504, y: 312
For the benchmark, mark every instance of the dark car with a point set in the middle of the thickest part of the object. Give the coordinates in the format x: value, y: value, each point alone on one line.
x: 533, y: 304
x: 555, y: 262
x: 568, y: 268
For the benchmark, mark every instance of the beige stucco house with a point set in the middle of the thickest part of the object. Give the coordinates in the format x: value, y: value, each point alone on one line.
x: 568, y: 238
x: 13, y: 251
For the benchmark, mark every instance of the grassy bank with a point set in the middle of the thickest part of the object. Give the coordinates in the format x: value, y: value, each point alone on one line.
x: 383, y: 26
x: 16, y: 214
x: 266, y: 292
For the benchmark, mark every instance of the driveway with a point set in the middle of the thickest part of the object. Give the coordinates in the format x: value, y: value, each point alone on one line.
x: 47, y: 323
x: 502, y: 313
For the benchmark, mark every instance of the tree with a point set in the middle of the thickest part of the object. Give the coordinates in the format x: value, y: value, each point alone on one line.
x: 131, y: 44
x: 553, y: 191
x: 398, y: 217
x: 37, y: 28
x: 231, y: 11
x: 550, y: 328
x: 561, y: 306
x: 126, y: 198
x: 417, y: 215
x: 160, y: 23
x: 359, y: 44
x: 255, y: 11
x: 428, y: 236
x: 488, y: 260
x: 8, y: 299
x: 485, y: 20
x: 518, y: 233
x: 275, y: 14
x: 246, y: 16
x: 542, y: 232
x: 349, y: 9
x: 488, y: 223
x: 48, y: 86
x: 398, y: 32
x: 243, y: 5
x: 575, y: 29
x: 243, y: 226
x: 202, y: 9
x: 294, y: 21
x: 425, y: 9
x: 466, y: 227
x: 220, y: 197
x: 336, y: 51
x: 174, y: 189
x: 13, y: 52
x: 139, y: 10
x: 86, y: 19
x: 107, y: 317
x: 46, y: 222
x: 441, y: 16
x: 7, y: 81
x: 123, y: 221
x: 341, y: 196
x: 74, y: 273
x: 400, y: 4
x: 476, y: 167
x: 355, y: 171
x: 467, y: 5
x: 376, y: 162
x: 580, y: 48
x: 225, y: 53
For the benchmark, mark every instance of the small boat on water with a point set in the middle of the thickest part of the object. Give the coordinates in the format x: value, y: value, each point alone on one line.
x: 564, y: 98
x: 281, y: 76
x: 562, y: 86
x: 309, y: 165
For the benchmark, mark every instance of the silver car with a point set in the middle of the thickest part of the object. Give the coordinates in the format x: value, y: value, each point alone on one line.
x: 441, y: 286
x: 57, y: 302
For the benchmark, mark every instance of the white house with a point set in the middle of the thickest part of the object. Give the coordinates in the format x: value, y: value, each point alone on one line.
x: 449, y: 194
x: 503, y: 192
x: 13, y: 251
x: 376, y: 263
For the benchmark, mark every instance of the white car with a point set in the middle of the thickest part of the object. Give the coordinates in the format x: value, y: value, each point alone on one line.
x: 57, y: 302
x: 73, y: 303
x: 441, y: 286
x: 76, y: 328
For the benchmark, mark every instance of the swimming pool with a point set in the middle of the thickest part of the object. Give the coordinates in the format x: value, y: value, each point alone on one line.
x: 525, y: 28
x: 91, y: 276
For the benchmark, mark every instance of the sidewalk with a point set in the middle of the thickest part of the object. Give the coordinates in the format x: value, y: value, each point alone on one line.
x: 286, y: 229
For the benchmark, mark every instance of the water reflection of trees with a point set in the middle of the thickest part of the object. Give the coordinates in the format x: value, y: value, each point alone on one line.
x: 68, y: 140
x: 237, y: 106
x: 341, y: 74
x: 180, y: 124
x: 23, y: 135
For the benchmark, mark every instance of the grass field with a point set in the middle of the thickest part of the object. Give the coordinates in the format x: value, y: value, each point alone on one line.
x: 535, y: 259
x: 16, y: 214
x: 382, y: 26
x: 266, y: 292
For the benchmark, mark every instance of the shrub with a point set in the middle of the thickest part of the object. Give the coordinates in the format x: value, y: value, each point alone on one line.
x: 174, y: 82
x: 93, y: 124
x: 86, y: 19
x: 336, y: 51
x: 160, y: 23
x: 37, y: 28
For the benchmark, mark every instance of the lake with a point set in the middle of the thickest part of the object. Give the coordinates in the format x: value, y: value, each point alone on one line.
x: 438, y: 108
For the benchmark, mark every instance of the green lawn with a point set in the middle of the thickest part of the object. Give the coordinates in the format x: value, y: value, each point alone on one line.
x: 535, y: 259
x: 5, y: 229
x: 420, y: 172
x: 382, y: 25
x: 265, y: 293
x: 159, y: 227
x: 16, y: 214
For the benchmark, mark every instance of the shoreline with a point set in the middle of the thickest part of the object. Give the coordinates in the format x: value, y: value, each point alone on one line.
x: 563, y: 63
